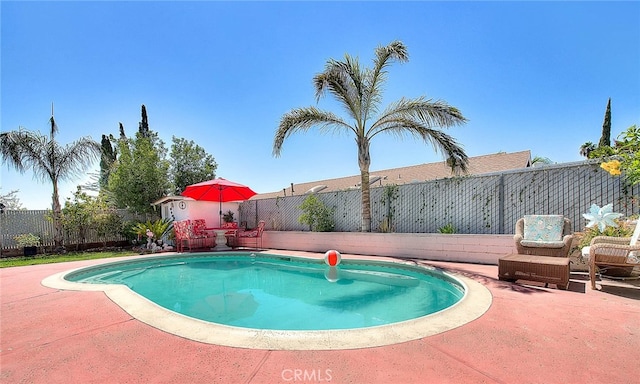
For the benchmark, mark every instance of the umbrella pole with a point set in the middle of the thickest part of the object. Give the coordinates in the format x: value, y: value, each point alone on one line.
x: 220, y: 211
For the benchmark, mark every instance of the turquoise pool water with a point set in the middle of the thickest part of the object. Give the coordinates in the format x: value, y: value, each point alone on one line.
x: 281, y: 292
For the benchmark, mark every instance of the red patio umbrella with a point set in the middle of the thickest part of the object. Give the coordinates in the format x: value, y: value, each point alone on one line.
x: 219, y: 189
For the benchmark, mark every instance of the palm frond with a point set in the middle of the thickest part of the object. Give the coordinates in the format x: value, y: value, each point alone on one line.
x: 54, y: 127
x: 25, y: 149
x: 385, y: 56
x: 395, y: 50
x: 429, y: 113
x: 337, y: 81
x: 10, y: 143
x: 376, y: 77
x: 357, y: 77
x: 418, y: 118
x: 302, y: 119
x: 75, y: 158
x: 38, y: 153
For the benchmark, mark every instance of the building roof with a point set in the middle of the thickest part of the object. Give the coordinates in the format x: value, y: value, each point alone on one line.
x: 478, y: 165
x: 168, y: 199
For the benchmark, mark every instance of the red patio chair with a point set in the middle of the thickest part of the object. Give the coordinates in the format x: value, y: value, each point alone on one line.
x: 181, y: 234
x: 200, y: 235
x: 192, y: 234
x: 231, y: 233
x: 252, y: 236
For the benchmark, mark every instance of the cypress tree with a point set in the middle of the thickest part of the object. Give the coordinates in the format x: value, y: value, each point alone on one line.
x: 143, y: 128
x: 122, y: 135
x: 605, y: 139
x: 106, y: 161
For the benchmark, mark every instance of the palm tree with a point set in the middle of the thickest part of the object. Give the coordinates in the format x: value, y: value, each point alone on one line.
x: 48, y: 160
x: 359, y: 90
x: 539, y: 160
x: 587, y: 148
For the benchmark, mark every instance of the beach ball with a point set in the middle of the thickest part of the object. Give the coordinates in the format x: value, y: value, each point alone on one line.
x: 332, y: 258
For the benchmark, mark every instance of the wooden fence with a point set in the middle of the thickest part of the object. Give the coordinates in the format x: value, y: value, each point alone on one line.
x: 37, y: 222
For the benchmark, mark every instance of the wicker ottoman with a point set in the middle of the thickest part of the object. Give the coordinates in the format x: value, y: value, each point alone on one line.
x: 544, y: 269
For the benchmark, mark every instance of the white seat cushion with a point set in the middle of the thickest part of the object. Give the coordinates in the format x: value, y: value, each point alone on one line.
x: 542, y: 244
x: 585, y: 252
x: 636, y: 234
x: 633, y: 256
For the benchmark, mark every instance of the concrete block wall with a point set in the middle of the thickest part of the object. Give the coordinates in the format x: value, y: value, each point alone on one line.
x: 477, y: 249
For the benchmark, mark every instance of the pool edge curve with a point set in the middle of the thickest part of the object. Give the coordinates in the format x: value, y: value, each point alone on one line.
x: 475, y: 303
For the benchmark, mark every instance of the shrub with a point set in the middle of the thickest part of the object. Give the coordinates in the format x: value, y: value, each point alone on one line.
x: 626, y: 156
x: 27, y: 240
x: 84, y: 213
x: 316, y: 214
x: 160, y: 229
x: 449, y: 228
x: 624, y: 229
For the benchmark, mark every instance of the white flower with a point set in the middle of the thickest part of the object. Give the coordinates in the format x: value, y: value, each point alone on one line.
x: 602, y: 217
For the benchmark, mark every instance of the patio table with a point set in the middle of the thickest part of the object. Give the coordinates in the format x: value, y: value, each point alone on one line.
x: 221, y: 237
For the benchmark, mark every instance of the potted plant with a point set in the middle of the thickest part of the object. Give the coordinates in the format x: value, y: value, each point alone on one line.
x: 604, y: 222
x: 29, y: 243
x: 152, y: 232
x: 228, y: 217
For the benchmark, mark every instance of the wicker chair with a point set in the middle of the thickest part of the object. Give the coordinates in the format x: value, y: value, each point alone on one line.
x: 543, y: 243
x: 613, y: 252
x: 558, y: 247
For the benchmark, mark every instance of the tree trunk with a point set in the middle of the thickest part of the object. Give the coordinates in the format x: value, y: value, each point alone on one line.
x: 366, y: 201
x: 57, y: 222
x: 364, y: 160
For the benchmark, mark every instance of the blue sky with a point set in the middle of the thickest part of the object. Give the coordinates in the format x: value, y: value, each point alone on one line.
x: 527, y: 75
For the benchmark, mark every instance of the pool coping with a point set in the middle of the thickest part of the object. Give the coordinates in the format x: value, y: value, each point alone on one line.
x: 476, y: 301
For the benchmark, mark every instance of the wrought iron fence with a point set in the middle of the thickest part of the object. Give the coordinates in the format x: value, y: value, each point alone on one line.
x: 486, y: 204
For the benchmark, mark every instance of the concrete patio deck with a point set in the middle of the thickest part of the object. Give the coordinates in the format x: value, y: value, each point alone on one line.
x: 530, y: 334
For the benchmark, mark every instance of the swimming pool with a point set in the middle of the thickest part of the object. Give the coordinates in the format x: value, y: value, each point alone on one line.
x: 282, y: 293
x: 269, y: 306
